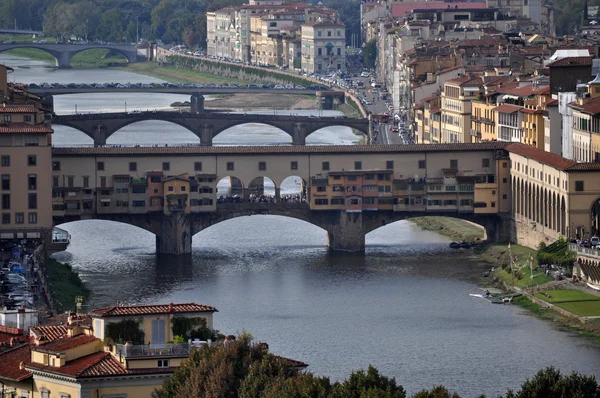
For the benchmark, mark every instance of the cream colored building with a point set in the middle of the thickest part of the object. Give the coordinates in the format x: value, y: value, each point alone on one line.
x: 456, y: 108
x: 323, y: 46
x: 25, y: 159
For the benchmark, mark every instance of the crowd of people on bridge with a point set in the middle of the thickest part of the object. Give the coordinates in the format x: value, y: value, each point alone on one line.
x: 254, y: 198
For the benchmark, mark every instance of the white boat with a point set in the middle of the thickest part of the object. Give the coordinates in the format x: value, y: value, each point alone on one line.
x: 593, y: 286
x: 476, y: 295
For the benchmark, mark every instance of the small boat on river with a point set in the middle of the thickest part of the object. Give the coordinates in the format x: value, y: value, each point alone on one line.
x: 455, y: 245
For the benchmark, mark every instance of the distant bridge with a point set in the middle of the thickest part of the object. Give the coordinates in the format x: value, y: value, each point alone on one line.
x: 204, y: 125
x: 65, y: 52
x: 19, y: 32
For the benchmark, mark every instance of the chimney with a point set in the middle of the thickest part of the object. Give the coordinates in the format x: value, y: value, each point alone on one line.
x: 171, y: 309
x: 21, y: 365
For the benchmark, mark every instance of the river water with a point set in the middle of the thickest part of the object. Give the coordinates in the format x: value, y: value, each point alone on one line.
x: 402, y: 306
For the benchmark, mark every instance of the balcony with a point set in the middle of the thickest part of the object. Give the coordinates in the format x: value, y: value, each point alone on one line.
x: 140, y: 351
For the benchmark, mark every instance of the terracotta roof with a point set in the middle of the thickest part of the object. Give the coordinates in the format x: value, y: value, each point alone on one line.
x: 398, y: 10
x: 17, y: 109
x: 541, y: 156
x: 532, y: 111
x: 507, y: 108
x: 571, y: 61
x: 50, y: 332
x: 152, y: 309
x: 543, y: 90
x: 251, y: 150
x: 293, y: 363
x: 10, y: 361
x: 595, y: 166
x: 592, y: 107
x: 99, y: 364
x: 525, y: 91
x: 24, y: 128
x: 64, y: 343
x: 553, y: 102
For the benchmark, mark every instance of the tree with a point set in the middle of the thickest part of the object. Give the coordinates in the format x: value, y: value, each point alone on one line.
x: 370, y: 54
x: 368, y: 385
x: 549, y: 383
x: 191, y: 38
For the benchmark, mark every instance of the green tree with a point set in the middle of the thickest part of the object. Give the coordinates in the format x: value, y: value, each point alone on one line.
x: 436, y: 392
x: 370, y: 54
x: 550, y: 383
x: 370, y: 384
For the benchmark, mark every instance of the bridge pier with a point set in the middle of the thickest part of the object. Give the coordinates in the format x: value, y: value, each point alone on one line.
x: 347, y: 233
x: 63, y: 60
x: 175, y: 235
x: 299, y: 134
x: 197, y: 103
x: 206, y: 135
x: 99, y: 137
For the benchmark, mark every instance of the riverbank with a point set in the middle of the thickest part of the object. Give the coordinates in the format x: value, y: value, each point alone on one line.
x: 262, y: 102
x: 453, y: 228
x: 64, y: 285
x: 178, y: 75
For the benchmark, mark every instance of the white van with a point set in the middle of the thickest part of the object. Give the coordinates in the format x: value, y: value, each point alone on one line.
x: 595, y: 241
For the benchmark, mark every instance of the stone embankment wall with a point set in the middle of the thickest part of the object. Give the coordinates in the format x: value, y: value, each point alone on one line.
x: 528, y: 235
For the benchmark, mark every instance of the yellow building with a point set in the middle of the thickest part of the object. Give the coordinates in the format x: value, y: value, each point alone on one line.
x: 532, y: 124
x: 176, y: 192
x: 73, y: 361
x: 483, y: 120
x: 428, y: 118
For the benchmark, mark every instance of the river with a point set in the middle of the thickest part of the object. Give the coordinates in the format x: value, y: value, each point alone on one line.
x: 402, y: 306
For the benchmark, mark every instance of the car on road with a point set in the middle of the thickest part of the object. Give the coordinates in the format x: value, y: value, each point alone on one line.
x: 134, y: 112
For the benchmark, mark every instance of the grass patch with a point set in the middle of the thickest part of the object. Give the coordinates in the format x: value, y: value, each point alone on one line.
x: 539, y: 278
x: 176, y: 75
x: 32, y: 53
x: 453, y: 228
x: 575, y: 301
x: 64, y: 285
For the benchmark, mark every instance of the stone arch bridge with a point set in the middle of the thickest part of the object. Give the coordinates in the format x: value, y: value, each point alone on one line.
x: 205, y: 126
x: 65, y: 52
x: 345, y: 231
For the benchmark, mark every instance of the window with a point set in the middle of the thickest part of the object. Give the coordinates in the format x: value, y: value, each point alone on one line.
x: 70, y: 181
x: 579, y: 186
x: 7, y: 118
x: 183, y: 188
x: 100, y: 166
x: 19, y: 218
x: 102, y: 181
x: 31, y: 160
x: 493, y: 204
x: 321, y: 188
x: 32, y: 200
x: 358, y: 165
x: 5, y: 218
x: 171, y: 189
x: 6, y: 201
x: 389, y: 164
x: 163, y: 363
x: 504, y: 180
x: 32, y: 218
x: 321, y: 202
x: 5, y: 161
x: 64, y: 395
x: 293, y: 165
x: 329, y: 33
x: 319, y: 51
x: 55, y: 166
x: 230, y: 166
x: 5, y: 182
x: 45, y: 393
x: 339, y: 51
x: 132, y: 166
x: 262, y: 166
x: 504, y: 165
x: 485, y: 163
x: 325, y: 166
x: 453, y: 163
x: 166, y: 166
x: 86, y: 182
x: 54, y: 182
x: 504, y: 196
x: 138, y: 203
x: 421, y: 164
x: 32, y: 181
x: 27, y: 118
x: 197, y: 166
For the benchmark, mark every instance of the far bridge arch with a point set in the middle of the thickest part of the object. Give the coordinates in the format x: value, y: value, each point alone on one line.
x: 41, y: 47
x: 313, y: 130
x: 125, y: 54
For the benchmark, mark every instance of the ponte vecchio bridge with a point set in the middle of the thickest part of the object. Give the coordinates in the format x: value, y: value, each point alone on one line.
x: 348, y: 191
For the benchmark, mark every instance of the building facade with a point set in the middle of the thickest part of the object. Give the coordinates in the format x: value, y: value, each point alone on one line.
x: 323, y: 47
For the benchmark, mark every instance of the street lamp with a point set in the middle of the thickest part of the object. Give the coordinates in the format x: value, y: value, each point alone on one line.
x: 125, y: 106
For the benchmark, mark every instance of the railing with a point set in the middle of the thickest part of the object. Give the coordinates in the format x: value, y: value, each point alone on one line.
x: 127, y: 351
x: 585, y: 251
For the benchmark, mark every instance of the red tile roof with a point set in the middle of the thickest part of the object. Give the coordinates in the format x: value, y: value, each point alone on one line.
x: 571, y: 61
x: 17, y: 109
x: 152, y: 309
x: 595, y: 166
x: 541, y: 156
x: 50, y: 332
x: 10, y: 362
x: 525, y: 91
x: 24, y: 128
x: 507, y: 108
x: 64, y: 343
x: 276, y: 150
x: 532, y: 111
x: 99, y: 364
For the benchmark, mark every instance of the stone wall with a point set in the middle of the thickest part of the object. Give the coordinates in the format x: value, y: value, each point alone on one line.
x: 525, y: 234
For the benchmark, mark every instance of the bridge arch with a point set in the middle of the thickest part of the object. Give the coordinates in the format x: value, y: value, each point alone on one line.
x: 363, y: 130
x: 127, y: 55
x: 40, y: 47
x: 149, y: 222
x: 262, y: 186
x: 104, y: 130
x: 228, y: 187
x: 236, y: 123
